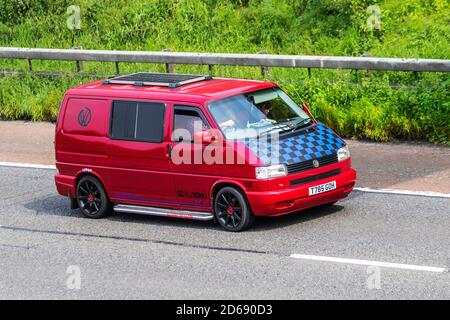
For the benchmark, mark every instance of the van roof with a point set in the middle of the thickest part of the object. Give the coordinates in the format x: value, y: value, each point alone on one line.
x: 197, y: 92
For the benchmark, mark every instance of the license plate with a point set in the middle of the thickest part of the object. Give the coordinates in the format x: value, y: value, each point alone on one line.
x: 321, y: 188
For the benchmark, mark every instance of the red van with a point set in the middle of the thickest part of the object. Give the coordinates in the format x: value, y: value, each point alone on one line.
x: 195, y: 147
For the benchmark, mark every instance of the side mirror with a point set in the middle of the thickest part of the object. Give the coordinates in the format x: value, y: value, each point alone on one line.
x: 205, y: 137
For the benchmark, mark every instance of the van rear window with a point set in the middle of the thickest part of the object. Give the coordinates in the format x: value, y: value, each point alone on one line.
x: 139, y: 121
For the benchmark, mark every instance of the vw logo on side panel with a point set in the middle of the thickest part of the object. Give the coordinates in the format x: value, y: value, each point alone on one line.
x: 316, y: 163
x: 84, y: 117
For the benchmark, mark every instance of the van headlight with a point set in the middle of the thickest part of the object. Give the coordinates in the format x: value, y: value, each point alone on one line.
x: 278, y: 170
x: 343, y: 153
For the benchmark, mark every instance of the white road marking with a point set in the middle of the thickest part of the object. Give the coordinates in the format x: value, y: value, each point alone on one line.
x: 370, y: 190
x: 369, y: 263
x: 406, y: 192
x: 27, y: 165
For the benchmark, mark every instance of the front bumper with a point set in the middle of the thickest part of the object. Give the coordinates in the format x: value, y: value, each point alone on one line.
x: 289, y: 200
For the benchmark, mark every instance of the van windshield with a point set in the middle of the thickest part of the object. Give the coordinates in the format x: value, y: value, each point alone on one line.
x: 257, y: 113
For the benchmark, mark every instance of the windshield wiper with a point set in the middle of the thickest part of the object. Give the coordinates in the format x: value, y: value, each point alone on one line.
x: 284, y: 127
x: 303, y: 123
x: 277, y: 126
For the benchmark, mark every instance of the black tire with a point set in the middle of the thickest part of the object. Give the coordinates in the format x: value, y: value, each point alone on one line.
x: 231, y: 210
x: 92, y: 198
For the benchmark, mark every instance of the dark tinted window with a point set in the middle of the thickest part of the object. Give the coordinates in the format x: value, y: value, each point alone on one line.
x: 123, y: 120
x: 150, y: 122
x: 141, y: 121
x: 186, y: 123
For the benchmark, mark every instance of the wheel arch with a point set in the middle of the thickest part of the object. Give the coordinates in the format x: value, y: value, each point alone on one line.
x: 227, y: 183
x: 83, y: 173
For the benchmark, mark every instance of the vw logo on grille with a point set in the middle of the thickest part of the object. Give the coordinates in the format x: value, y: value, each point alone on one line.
x: 84, y: 117
x: 316, y: 163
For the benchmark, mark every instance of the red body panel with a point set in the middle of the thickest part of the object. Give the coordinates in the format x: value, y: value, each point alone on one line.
x: 134, y: 172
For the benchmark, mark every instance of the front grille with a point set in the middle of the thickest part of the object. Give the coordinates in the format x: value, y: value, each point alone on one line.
x: 320, y: 176
x: 308, y: 165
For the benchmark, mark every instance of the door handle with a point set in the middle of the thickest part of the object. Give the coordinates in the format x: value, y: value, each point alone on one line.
x: 169, y: 150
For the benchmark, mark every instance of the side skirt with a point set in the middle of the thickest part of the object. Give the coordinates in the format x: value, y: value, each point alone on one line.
x: 162, y: 212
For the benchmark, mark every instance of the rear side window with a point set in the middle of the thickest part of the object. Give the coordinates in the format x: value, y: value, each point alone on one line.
x: 138, y: 121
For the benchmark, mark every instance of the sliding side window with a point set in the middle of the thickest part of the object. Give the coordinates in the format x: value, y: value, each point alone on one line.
x: 137, y: 121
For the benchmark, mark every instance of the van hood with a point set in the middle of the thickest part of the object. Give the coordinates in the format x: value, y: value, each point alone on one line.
x: 312, y: 143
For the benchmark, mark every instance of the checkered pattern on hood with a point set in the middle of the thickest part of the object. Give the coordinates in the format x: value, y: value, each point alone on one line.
x: 302, y: 147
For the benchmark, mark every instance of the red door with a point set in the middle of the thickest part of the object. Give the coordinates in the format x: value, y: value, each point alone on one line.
x: 138, y: 154
x: 192, y: 177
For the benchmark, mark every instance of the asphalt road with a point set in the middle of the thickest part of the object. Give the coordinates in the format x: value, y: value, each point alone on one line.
x: 131, y: 256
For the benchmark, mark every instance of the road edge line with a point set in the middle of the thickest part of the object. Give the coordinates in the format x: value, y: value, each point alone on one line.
x: 27, y: 165
x: 405, y: 192
x: 369, y: 263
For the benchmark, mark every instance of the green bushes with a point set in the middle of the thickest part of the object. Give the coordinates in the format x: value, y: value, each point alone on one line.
x: 31, y: 98
x: 374, y: 105
x: 375, y: 111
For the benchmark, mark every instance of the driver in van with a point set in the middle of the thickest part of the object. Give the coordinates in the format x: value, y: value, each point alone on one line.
x: 266, y: 109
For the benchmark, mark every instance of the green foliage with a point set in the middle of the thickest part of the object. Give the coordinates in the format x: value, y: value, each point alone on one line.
x: 32, y: 98
x: 378, y: 112
x: 374, y: 105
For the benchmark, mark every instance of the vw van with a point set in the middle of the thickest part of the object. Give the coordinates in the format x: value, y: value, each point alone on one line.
x: 195, y: 147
